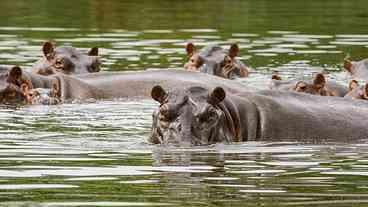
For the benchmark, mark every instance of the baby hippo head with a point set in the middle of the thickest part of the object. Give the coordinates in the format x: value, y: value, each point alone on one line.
x: 44, y: 96
x: 67, y: 60
x: 316, y: 87
x: 191, y: 116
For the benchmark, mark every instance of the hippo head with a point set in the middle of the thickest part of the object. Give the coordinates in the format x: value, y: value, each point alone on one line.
x: 44, y: 96
x: 316, y: 87
x: 12, y: 84
x: 356, y: 91
x: 192, y: 116
x: 216, y: 61
x: 67, y: 60
x: 358, y: 69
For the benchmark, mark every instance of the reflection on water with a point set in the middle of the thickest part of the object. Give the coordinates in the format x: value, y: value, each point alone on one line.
x: 96, y: 154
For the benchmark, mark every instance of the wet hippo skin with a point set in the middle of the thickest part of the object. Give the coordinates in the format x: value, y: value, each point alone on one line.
x: 66, y: 60
x: 107, y: 85
x: 200, y: 116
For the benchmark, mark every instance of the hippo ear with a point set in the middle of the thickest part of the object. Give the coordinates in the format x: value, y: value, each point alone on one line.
x: 24, y: 88
x: 353, y: 85
x: 55, y: 90
x: 158, y: 94
x: 216, y: 96
x: 275, y: 77
x: 15, y: 74
x: 93, y: 51
x: 190, y: 48
x: 48, y: 50
x: 348, y: 64
x: 234, y: 50
x: 319, y: 80
x: 365, y: 92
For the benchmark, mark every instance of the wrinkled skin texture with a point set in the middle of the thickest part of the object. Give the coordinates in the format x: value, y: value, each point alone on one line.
x: 317, y: 86
x: 110, y: 85
x: 254, y: 116
x: 357, y: 69
x: 216, y: 61
x: 356, y: 91
x: 192, y: 116
x: 66, y: 60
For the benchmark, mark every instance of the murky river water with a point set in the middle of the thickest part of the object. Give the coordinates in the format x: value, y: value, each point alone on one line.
x: 96, y: 154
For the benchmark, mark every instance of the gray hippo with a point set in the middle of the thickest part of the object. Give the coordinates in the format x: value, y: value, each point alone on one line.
x: 67, y: 60
x: 356, y: 91
x: 215, y: 60
x: 200, y: 116
x: 16, y: 85
x: 104, y: 85
x: 317, y: 86
x: 44, y: 96
x: 357, y: 69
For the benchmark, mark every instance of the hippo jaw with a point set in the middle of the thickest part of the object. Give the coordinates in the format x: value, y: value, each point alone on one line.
x: 185, y: 119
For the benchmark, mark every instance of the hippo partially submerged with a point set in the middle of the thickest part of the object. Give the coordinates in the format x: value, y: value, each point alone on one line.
x: 357, y: 69
x: 18, y: 86
x: 356, y: 91
x: 66, y: 60
x: 199, y: 116
x: 215, y: 60
x: 104, y: 85
x: 317, y: 86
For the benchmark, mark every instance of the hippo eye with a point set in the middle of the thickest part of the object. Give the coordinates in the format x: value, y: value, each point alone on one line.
x: 59, y: 63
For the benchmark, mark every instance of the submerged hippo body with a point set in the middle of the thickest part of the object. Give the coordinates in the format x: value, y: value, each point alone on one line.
x: 133, y: 84
x: 357, y: 69
x: 317, y: 86
x: 215, y: 60
x: 66, y: 60
x: 199, y: 116
x: 106, y: 85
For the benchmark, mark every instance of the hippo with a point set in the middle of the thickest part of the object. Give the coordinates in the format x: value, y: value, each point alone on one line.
x: 356, y: 91
x: 317, y: 86
x: 201, y: 116
x: 215, y: 60
x: 357, y: 69
x: 103, y: 85
x: 44, y: 96
x: 66, y: 60
x: 16, y: 85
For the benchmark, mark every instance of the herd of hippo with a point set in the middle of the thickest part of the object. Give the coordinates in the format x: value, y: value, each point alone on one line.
x: 201, y: 104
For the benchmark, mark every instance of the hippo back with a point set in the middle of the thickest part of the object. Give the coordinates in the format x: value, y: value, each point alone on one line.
x: 295, y: 116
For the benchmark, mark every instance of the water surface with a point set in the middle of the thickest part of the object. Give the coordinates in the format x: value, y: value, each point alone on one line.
x: 96, y: 154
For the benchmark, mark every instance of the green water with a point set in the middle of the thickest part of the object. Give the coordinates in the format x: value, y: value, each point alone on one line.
x: 96, y: 154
